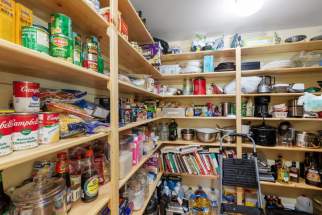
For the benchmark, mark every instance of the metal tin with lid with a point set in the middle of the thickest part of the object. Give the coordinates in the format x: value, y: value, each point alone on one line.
x: 41, y: 197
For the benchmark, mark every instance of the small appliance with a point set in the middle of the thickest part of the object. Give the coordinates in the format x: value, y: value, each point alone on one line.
x: 261, y: 106
x: 265, y: 85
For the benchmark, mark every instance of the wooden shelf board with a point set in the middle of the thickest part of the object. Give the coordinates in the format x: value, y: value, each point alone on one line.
x: 152, y: 187
x: 284, y: 119
x: 134, y: 61
x: 92, y: 208
x: 130, y: 88
x: 292, y: 185
x: 138, y: 166
x: 185, y: 142
x: 283, y: 71
x: 283, y: 148
x: 214, y: 177
x: 141, y: 122
x: 280, y: 48
x: 84, y: 17
x: 202, y: 118
x: 137, y: 30
x: 200, y: 96
x: 23, y: 61
x: 198, y: 55
x: 276, y: 94
x: 229, y: 74
x: 19, y: 157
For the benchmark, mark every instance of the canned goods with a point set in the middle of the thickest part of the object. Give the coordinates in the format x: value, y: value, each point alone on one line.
x: 26, y: 96
x: 61, y: 47
x: 35, y: 37
x: 48, y: 127
x: 60, y: 24
x: 25, y: 131
x: 6, y: 129
x: 90, y: 53
x: 77, y: 44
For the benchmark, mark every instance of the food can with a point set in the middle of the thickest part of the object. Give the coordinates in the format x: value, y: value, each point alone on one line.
x: 77, y: 44
x: 35, y: 37
x: 60, y: 24
x: 90, y: 53
x: 25, y: 131
x: 26, y: 96
x: 61, y: 47
x: 48, y: 127
x: 6, y: 129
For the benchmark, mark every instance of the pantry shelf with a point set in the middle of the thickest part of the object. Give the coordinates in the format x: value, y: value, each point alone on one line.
x: 134, y: 61
x: 138, y: 166
x: 280, y: 48
x: 200, y: 96
x: 130, y: 88
x: 84, y: 17
x: 20, y: 157
x: 203, y: 118
x: 23, y: 61
x: 283, y: 119
x: 198, y: 55
x: 137, y: 30
x: 276, y: 94
x: 283, y: 71
x: 283, y: 148
x: 292, y: 185
x: 229, y: 74
x: 214, y: 177
x: 185, y: 142
x: 92, y: 208
x: 135, y: 124
x: 152, y: 188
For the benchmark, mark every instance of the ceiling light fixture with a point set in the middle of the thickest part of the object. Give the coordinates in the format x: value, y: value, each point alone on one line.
x: 243, y: 7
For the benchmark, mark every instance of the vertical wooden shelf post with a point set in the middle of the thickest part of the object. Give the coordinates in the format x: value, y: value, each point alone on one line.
x: 114, y: 104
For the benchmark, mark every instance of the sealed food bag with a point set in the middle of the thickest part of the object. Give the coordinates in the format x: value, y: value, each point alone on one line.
x: 62, y: 95
x: 248, y: 85
x: 92, y: 109
x: 71, y: 125
x: 69, y: 109
x: 311, y: 102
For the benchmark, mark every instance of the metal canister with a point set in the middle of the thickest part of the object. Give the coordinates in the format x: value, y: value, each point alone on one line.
x: 187, y: 86
x: 35, y: 37
x: 90, y: 53
x: 77, y: 45
x: 224, y: 108
x: 6, y: 129
x: 61, y: 47
x: 60, y: 24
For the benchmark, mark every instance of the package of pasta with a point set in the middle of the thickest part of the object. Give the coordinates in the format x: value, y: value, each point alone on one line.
x: 71, y: 125
x: 68, y: 109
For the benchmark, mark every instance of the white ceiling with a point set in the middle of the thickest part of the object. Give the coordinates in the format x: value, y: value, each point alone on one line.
x: 181, y: 19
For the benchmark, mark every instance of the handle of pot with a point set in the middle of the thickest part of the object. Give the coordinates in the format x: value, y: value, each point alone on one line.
x: 238, y: 135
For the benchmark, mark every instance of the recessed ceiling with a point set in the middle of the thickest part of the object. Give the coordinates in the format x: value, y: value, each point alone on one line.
x: 182, y: 19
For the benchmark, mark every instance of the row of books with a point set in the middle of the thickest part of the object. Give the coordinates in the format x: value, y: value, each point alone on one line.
x: 189, y: 160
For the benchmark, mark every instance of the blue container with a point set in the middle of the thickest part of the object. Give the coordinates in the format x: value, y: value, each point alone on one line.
x: 208, y: 63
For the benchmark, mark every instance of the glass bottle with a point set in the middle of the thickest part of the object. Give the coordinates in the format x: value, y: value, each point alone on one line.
x: 62, y: 170
x: 249, y: 108
x: 173, y: 132
x: 4, y: 198
x: 89, y: 179
x: 75, y: 178
x: 164, y: 132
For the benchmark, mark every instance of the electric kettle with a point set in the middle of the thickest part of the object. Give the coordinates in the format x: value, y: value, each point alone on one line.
x: 265, y: 85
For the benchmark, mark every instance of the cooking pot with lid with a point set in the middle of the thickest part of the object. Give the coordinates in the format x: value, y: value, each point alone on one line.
x: 43, y: 196
x: 264, y: 135
x: 228, y: 131
x: 187, y: 134
x: 306, y: 140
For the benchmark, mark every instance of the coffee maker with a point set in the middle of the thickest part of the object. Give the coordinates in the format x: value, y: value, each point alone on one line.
x: 261, y: 106
x: 265, y: 85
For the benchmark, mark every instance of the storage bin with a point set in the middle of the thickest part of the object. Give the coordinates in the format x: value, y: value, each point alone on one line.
x: 173, y: 112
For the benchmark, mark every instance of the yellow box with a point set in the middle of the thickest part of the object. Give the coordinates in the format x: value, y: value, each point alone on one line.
x: 7, y: 20
x: 23, y: 18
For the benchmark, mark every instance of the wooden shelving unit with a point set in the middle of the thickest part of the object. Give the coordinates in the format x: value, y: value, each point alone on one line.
x: 152, y: 188
x: 185, y: 142
x: 211, y: 177
x: 199, y: 96
x: 283, y: 119
x: 292, y: 185
x: 276, y: 94
x: 136, y: 124
x: 283, y: 71
x: 229, y: 74
x: 283, y: 148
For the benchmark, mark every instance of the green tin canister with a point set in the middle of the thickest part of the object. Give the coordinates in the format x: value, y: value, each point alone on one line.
x: 77, y: 45
x: 61, y: 47
x: 35, y: 37
x: 60, y: 24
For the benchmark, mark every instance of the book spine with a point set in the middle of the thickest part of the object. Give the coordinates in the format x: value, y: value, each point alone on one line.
x: 200, y: 164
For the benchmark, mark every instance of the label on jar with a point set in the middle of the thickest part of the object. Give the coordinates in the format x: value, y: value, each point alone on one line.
x: 90, y: 188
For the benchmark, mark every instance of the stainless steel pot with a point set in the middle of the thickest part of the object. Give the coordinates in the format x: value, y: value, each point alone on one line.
x: 306, y: 140
x: 227, y: 131
x: 187, y: 134
x: 207, y: 135
x: 41, y: 197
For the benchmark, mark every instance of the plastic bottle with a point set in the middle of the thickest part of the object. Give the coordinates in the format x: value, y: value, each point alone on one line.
x: 213, y: 198
x: 164, y: 132
x: 201, y: 204
x: 90, y: 181
x: 189, y: 196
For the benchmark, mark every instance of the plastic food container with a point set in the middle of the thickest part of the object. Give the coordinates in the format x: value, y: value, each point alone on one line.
x: 125, y: 163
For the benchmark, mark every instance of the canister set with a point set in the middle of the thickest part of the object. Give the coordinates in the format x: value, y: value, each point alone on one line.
x: 27, y: 128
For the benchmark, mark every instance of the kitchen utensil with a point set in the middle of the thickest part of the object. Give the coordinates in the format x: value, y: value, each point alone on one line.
x: 199, y: 86
x: 306, y: 140
x: 265, y: 86
x: 227, y: 131
x: 264, y: 135
x: 207, y: 135
x: 296, y: 38
x: 318, y: 37
x: 280, y: 88
x: 261, y: 106
x: 187, y: 134
x: 43, y: 196
x: 226, y: 66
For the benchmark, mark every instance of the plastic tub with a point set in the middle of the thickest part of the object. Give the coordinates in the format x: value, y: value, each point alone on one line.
x: 125, y: 163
